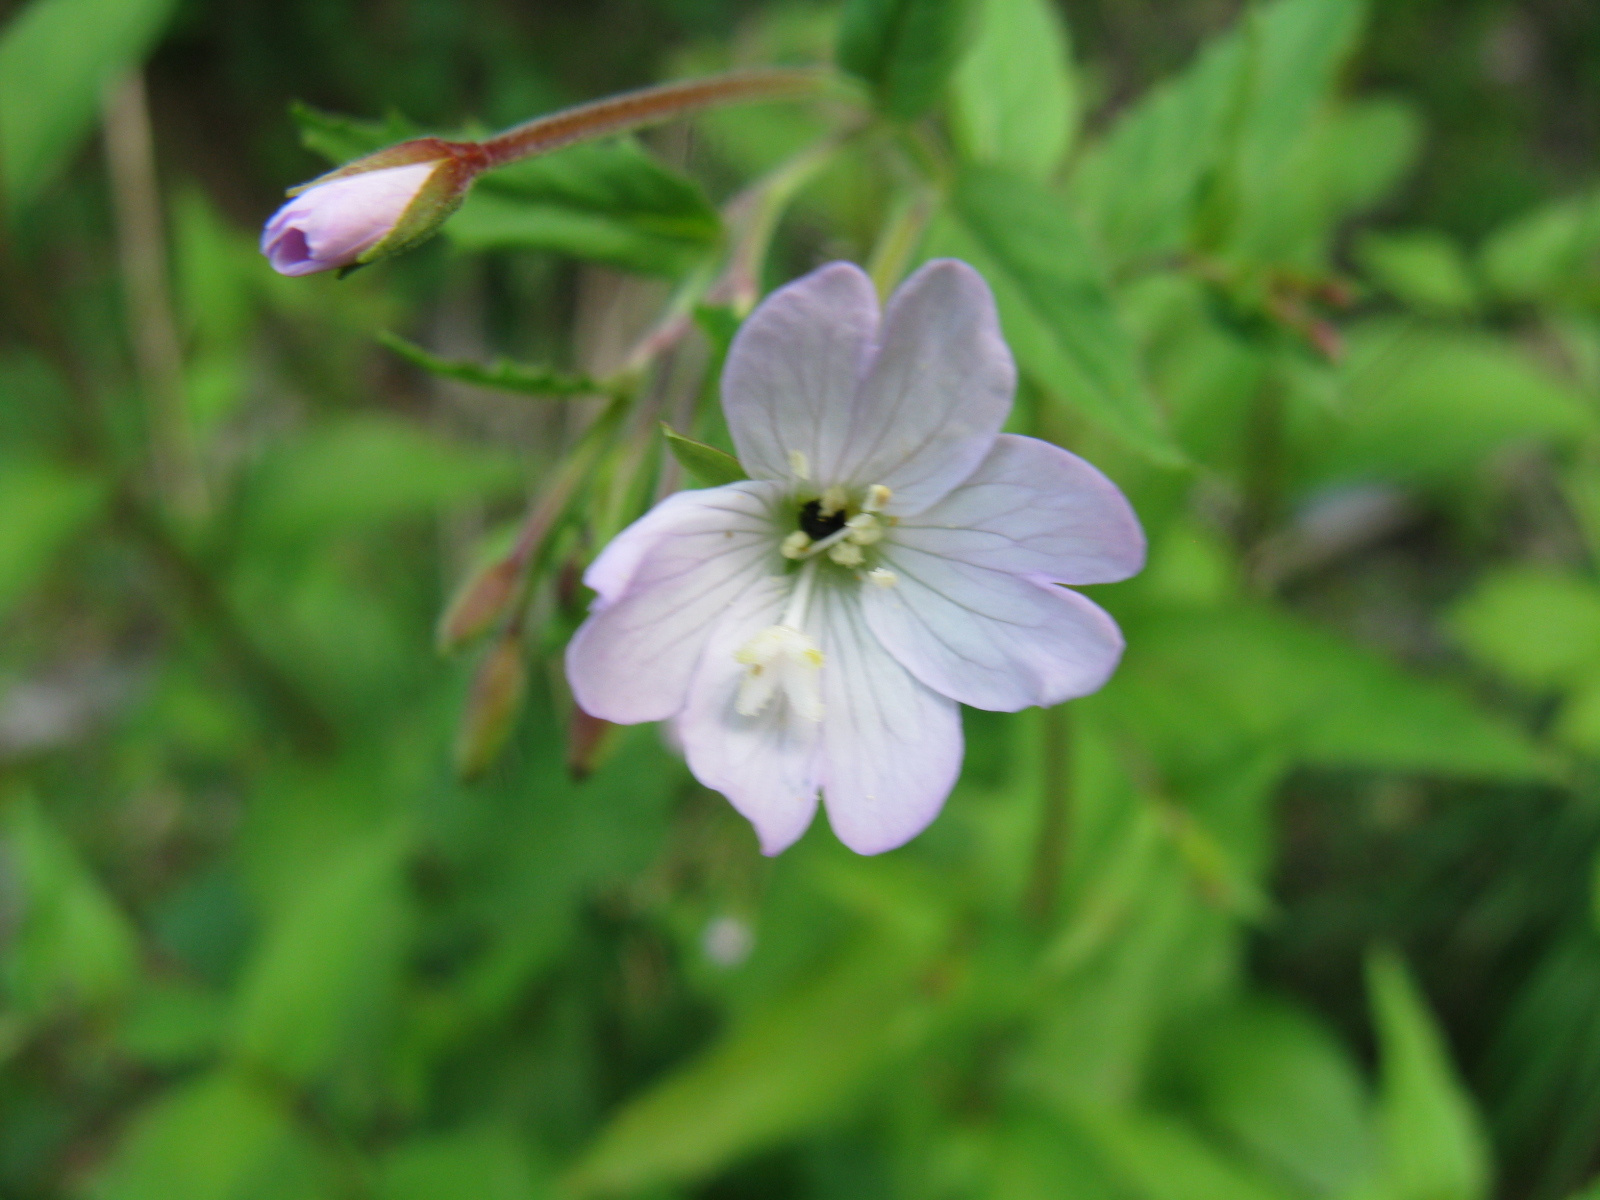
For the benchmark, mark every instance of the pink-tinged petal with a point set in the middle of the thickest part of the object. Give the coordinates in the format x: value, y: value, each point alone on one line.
x: 989, y: 638
x: 631, y: 661
x: 766, y: 765
x: 891, y: 747
x: 937, y: 392
x: 333, y: 224
x: 1033, y: 509
x: 793, y: 370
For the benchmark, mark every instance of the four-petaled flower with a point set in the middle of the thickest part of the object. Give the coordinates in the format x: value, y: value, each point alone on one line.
x: 817, y: 627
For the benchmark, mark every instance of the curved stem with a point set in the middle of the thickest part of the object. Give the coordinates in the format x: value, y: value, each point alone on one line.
x: 647, y: 106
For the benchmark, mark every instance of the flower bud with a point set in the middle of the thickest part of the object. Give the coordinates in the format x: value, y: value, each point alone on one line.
x: 493, y: 703
x: 371, y: 208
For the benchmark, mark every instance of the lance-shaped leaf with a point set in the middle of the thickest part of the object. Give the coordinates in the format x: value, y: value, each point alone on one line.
x: 502, y: 374
x: 1054, y: 302
x: 55, y: 57
x: 903, y: 49
x: 1433, y: 1141
x: 1015, y: 99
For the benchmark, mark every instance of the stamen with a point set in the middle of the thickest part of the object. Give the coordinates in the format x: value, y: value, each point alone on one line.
x: 799, y: 464
x: 796, y: 544
x: 877, y: 497
x: 834, y: 500
x: 846, y: 554
x: 882, y: 577
x: 864, y: 529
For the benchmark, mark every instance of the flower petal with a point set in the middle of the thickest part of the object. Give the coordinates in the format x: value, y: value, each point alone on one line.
x: 673, y: 574
x: 765, y: 765
x: 1035, y: 510
x: 793, y: 370
x: 937, y: 393
x: 989, y: 638
x: 891, y: 747
x: 332, y: 224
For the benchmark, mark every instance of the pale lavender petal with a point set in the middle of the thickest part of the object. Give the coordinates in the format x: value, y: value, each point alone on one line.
x: 937, y: 393
x: 610, y: 573
x: 793, y: 370
x: 631, y: 661
x: 1033, y: 509
x: 891, y: 746
x: 989, y: 638
x: 333, y: 224
x: 767, y: 765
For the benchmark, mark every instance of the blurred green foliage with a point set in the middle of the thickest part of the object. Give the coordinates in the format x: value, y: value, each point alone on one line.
x: 293, y: 907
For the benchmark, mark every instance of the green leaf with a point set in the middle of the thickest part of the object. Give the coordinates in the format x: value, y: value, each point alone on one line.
x: 1224, y: 126
x: 1551, y: 253
x: 1537, y: 627
x: 1054, y: 303
x: 709, y: 466
x: 214, y: 1138
x: 1015, y: 95
x: 56, y: 58
x: 73, y: 946
x: 609, y: 202
x: 328, y: 965
x: 1278, y: 1084
x: 365, y: 470
x: 1433, y: 1142
x: 1162, y: 1159
x: 1196, y: 683
x: 339, y: 138
x: 793, y: 1064
x: 478, y: 1164
x: 1423, y: 405
x: 1425, y: 269
x: 903, y: 49
x: 42, y: 508
x: 502, y: 374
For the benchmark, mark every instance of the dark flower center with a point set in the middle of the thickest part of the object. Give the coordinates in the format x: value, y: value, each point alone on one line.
x: 815, y: 525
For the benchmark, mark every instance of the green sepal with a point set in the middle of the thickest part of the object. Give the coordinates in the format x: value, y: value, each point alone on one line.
x: 429, y: 209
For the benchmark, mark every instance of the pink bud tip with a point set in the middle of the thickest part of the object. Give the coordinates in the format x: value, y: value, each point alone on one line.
x: 332, y: 224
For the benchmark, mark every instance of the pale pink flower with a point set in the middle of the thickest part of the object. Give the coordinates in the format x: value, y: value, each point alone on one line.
x: 334, y: 223
x: 817, y: 627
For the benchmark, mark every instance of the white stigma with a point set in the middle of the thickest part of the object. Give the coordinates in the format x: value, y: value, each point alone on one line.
x: 780, y: 659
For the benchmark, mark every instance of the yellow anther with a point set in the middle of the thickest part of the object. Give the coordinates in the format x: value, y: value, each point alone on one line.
x: 796, y: 544
x: 877, y: 497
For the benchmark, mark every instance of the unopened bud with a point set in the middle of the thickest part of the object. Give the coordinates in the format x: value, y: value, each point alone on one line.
x: 492, y: 707
x: 371, y: 208
x: 479, y: 603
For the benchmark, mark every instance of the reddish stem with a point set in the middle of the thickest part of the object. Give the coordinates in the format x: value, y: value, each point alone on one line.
x: 631, y: 110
